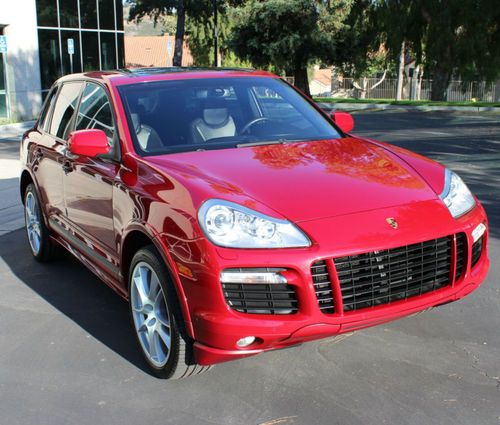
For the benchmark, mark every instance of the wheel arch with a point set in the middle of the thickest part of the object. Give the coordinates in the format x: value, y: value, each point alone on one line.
x: 25, y: 179
x: 139, y: 236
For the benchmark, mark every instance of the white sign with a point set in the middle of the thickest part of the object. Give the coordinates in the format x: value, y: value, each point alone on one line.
x: 169, y: 47
x: 71, y: 46
x: 3, y: 44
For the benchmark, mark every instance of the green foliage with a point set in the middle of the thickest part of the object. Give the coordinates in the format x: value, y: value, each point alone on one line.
x: 289, y: 34
x: 450, y: 37
x: 201, y: 41
x: 361, y: 52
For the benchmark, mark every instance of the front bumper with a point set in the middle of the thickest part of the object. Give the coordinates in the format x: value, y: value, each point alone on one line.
x: 217, y: 327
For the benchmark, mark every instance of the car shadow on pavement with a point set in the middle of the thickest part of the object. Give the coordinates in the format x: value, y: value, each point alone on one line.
x: 75, y: 292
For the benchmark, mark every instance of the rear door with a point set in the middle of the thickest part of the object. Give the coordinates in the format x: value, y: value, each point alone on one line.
x: 88, y: 182
x: 48, y: 153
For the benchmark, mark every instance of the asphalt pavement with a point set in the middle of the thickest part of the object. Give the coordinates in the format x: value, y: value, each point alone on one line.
x: 67, y: 353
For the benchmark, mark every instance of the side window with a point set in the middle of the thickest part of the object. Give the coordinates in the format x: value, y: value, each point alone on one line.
x: 66, y: 102
x: 273, y: 106
x: 49, y: 104
x: 95, y: 111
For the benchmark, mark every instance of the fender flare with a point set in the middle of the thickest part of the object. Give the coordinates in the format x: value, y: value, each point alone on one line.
x: 162, y: 248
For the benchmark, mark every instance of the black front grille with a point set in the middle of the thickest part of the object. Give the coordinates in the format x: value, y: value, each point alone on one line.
x: 276, y: 298
x: 461, y: 255
x: 477, y: 249
x: 322, y: 286
x: 381, y: 277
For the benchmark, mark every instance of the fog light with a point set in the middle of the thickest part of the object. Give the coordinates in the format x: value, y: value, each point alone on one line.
x: 478, y: 232
x: 246, y: 341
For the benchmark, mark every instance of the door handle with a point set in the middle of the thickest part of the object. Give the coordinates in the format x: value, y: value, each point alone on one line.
x: 67, y: 167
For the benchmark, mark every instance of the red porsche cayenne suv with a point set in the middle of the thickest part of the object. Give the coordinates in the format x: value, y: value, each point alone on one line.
x: 236, y: 217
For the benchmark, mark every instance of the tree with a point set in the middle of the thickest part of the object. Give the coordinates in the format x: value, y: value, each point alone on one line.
x: 361, y: 53
x: 289, y: 34
x: 459, y: 37
x: 449, y: 37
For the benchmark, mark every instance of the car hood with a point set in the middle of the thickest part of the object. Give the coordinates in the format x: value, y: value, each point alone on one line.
x: 305, y: 180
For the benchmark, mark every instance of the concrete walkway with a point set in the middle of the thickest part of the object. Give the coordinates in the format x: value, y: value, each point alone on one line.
x: 11, y: 211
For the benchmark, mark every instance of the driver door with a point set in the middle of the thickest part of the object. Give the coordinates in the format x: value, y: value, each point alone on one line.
x: 88, y: 183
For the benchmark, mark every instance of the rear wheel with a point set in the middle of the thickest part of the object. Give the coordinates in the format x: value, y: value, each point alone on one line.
x: 156, y: 318
x: 38, y: 234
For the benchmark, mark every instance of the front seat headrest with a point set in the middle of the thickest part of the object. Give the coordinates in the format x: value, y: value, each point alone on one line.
x: 136, y: 122
x: 215, y: 112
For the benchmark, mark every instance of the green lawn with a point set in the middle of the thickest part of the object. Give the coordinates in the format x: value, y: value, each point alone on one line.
x: 404, y: 102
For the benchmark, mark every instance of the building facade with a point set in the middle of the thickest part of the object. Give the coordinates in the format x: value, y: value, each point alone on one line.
x: 50, y: 38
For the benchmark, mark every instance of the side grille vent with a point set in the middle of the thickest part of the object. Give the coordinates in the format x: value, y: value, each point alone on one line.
x: 477, y: 250
x: 461, y: 255
x: 322, y: 286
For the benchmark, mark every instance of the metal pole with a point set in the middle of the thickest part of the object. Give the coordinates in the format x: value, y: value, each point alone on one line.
x: 216, y: 47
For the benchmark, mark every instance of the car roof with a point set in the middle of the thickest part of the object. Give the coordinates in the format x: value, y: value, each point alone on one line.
x: 138, y: 75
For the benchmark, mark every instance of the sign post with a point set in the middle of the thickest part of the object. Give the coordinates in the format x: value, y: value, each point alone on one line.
x: 3, y: 51
x: 71, y: 52
x: 169, y: 49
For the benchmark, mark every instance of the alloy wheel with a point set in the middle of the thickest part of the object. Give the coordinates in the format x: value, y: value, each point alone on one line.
x: 150, y: 314
x: 33, y: 224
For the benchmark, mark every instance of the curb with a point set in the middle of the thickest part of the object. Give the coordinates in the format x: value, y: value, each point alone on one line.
x: 17, y: 126
x: 385, y: 106
x: 12, y: 130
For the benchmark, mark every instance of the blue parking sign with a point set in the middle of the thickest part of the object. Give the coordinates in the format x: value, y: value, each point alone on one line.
x: 3, y: 44
x: 71, y: 46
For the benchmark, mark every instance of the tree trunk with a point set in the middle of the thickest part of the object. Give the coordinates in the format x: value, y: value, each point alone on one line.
x: 179, y: 33
x: 401, y: 70
x: 440, y: 81
x: 301, y: 80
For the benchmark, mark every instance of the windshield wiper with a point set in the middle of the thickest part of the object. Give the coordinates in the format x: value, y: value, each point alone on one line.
x: 263, y: 142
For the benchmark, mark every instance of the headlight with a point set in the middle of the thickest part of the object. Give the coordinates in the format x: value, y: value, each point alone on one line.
x: 456, y: 195
x: 234, y: 226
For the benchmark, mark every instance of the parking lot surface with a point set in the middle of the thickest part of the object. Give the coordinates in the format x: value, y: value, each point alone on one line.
x: 68, y: 356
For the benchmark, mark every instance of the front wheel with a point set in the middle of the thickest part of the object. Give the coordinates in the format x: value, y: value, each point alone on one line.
x: 156, y: 318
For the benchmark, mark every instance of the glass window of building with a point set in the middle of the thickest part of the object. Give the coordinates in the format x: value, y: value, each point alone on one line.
x: 107, y: 14
x: 98, y: 44
x: 64, y: 109
x: 88, y: 14
x: 50, y: 65
x: 68, y: 12
x: 90, y: 47
x: 46, y: 12
x: 108, y: 50
x: 119, y: 15
x: 70, y: 64
x: 121, y: 50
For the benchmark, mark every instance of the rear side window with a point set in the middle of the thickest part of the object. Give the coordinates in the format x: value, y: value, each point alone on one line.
x: 64, y: 109
x: 95, y: 111
x: 49, y: 104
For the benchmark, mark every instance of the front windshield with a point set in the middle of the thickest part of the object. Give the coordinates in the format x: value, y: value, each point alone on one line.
x: 217, y: 113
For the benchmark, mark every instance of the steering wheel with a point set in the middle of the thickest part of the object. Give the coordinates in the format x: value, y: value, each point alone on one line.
x: 253, y: 122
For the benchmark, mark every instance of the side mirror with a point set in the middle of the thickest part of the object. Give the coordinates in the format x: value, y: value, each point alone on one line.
x: 88, y: 142
x: 344, y: 120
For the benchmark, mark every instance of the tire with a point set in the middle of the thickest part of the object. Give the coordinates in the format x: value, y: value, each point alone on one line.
x: 157, y: 320
x: 41, y: 246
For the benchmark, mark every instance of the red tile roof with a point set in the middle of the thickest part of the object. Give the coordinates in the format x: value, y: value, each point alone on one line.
x: 147, y: 51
